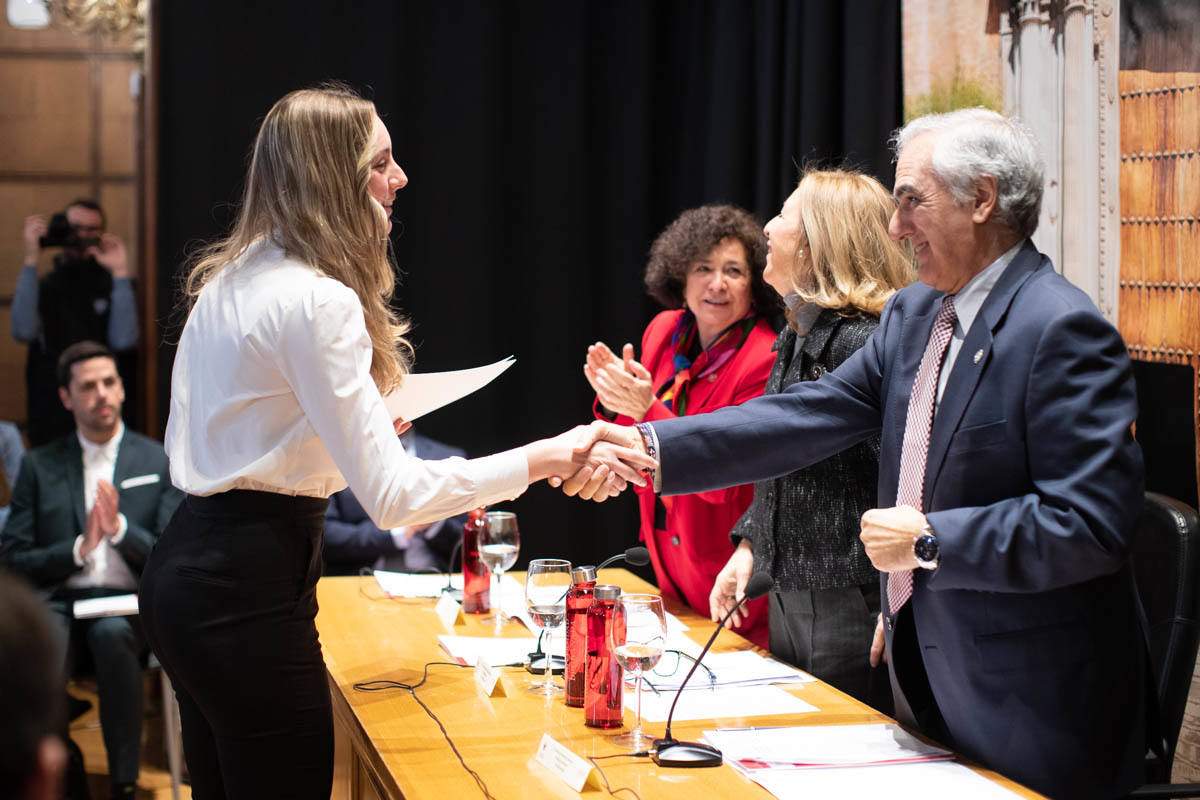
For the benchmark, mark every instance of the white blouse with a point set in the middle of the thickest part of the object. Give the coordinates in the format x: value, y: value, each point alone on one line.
x: 272, y: 391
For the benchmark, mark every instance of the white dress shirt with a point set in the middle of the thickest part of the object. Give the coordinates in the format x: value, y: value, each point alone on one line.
x: 967, y: 303
x: 272, y: 391
x: 104, y: 566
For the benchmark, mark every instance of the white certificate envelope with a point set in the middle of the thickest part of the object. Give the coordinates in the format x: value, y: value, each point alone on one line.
x: 422, y: 392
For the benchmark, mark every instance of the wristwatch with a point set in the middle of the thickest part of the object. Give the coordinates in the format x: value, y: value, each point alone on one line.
x: 925, y: 548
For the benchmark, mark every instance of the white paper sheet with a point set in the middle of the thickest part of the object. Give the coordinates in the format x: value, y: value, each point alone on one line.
x: 422, y: 392
x: 119, y: 605
x: 806, y: 746
x: 930, y: 780
x: 740, y: 668
x: 512, y: 604
x: 675, y: 624
x: 731, y: 702
x: 495, y: 650
x: 407, y: 584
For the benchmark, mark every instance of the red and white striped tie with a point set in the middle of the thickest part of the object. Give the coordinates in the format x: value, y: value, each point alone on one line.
x: 916, y: 436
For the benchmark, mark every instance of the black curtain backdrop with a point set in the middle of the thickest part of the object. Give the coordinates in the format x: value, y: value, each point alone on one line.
x: 546, y: 144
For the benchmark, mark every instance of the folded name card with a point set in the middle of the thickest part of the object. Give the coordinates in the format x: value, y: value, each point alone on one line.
x: 487, y: 678
x: 449, y: 611
x: 574, y: 771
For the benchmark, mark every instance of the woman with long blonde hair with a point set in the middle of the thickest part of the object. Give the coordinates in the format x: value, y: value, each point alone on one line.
x: 277, y: 403
x: 830, y: 257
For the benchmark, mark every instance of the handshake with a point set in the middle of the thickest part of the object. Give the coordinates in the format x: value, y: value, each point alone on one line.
x: 594, y: 462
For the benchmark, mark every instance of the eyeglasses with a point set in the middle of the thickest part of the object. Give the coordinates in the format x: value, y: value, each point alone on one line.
x: 668, y: 667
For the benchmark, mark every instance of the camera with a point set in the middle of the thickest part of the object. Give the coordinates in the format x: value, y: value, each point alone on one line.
x: 60, y: 233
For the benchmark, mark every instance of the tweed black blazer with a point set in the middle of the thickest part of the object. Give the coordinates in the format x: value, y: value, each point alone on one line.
x: 804, y: 526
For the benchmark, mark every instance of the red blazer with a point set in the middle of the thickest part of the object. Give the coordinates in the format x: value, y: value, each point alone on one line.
x: 695, y: 546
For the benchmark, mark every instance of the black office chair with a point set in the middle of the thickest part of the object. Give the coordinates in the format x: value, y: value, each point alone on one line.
x: 1166, y: 565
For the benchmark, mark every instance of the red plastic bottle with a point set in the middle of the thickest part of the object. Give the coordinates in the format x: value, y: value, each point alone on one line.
x: 603, y: 707
x: 476, y: 578
x: 579, y: 599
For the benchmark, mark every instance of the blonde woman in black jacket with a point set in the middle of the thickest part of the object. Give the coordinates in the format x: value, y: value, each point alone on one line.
x: 830, y: 257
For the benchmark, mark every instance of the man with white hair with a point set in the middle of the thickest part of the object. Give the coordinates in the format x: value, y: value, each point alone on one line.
x: 1009, y: 481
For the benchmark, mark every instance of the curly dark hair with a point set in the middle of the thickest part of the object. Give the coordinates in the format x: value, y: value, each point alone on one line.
x: 693, y: 236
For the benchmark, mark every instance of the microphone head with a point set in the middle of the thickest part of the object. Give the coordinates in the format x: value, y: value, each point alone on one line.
x: 759, y: 584
x: 637, y: 556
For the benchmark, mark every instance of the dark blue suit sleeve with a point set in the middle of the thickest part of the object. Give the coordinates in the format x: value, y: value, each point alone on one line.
x: 350, y: 535
x: 771, y: 436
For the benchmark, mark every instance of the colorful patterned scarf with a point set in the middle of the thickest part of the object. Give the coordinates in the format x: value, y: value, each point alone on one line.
x: 688, y: 367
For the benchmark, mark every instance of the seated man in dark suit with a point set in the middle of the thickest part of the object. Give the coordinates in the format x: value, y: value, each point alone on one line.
x: 352, y: 541
x: 86, y: 510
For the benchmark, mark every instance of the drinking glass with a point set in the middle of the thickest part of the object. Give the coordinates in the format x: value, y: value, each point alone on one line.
x: 546, y: 584
x: 499, y: 543
x: 636, y: 639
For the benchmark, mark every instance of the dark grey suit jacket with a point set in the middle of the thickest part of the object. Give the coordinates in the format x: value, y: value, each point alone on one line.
x: 48, y: 507
x: 1027, y: 631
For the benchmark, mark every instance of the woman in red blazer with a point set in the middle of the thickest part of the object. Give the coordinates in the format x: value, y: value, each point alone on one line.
x: 712, y: 349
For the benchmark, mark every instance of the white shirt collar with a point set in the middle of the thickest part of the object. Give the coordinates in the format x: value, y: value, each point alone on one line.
x: 109, y: 448
x: 969, y: 299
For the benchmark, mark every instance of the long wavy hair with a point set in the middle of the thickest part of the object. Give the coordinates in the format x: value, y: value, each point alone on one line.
x: 856, y: 266
x: 307, y: 192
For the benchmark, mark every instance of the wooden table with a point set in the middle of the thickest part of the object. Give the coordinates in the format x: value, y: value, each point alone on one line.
x: 388, y: 747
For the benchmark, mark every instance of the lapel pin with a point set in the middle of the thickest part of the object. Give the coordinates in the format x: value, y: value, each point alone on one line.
x: 978, y: 355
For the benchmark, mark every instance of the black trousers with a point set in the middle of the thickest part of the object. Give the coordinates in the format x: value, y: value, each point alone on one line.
x: 228, y: 602
x: 112, y: 649
x: 828, y: 632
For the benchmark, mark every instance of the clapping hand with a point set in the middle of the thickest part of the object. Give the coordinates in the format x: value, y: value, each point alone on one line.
x: 107, y: 508
x: 624, y: 385
x: 104, y: 520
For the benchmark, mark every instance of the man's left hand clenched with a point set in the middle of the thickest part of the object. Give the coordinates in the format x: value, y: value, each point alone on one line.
x: 888, y: 534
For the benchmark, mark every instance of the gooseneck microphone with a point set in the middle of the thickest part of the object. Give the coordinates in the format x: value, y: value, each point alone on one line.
x: 668, y: 752
x: 637, y: 556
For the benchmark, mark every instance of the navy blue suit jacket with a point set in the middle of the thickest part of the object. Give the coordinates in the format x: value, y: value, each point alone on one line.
x: 352, y: 541
x: 1027, y: 632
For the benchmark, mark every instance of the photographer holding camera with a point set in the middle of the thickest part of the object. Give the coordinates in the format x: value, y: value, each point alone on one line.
x: 88, y: 294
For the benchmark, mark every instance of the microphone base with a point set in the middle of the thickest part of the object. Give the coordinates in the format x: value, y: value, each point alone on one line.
x: 673, y: 753
x: 537, y: 664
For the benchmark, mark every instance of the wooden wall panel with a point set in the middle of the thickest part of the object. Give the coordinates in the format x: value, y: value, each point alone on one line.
x: 12, y: 367
x: 48, y: 40
x: 67, y: 124
x: 118, y: 199
x: 117, y: 121
x: 47, y: 115
x: 1160, y: 214
x: 1160, y: 222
